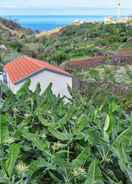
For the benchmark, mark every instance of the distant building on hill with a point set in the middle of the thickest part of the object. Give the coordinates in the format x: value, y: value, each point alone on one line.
x: 16, y: 73
x: 109, y: 20
x: 121, y: 20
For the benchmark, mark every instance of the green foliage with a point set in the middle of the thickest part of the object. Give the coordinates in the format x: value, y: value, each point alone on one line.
x: 45, y: 140
x: 113, y: 73
x: 58, y: 57
x: 94, y: 175
x: 11, y: 160
x: 71, y: 42
x: 4, y: 132
x: 88, y: 140
x: 16, y: 45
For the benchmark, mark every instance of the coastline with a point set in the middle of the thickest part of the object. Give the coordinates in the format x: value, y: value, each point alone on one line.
x: 49, y: 23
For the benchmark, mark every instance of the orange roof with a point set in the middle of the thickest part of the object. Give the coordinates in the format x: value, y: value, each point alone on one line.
x: 24, y: 67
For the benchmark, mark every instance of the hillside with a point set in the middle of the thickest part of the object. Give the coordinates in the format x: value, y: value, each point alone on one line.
x: 73, y: 41
x: 67, y: 44
x: 11, y: 36
x: 84, y: 40
x: 87, y: 140
x: 12, y: 29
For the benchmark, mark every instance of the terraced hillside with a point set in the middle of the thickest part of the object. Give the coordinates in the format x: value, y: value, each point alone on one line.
x: 74, y: 42
x: 70, y: 42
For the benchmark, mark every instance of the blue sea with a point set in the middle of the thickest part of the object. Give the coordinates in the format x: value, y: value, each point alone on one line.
x: 46, y: 23
x: 45, y: 20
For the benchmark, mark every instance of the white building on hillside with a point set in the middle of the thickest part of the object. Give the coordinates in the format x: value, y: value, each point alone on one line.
x: 19, y: 70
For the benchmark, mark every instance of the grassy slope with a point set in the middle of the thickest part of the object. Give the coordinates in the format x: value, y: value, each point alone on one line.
x: 71, y: 42
x: 85, y: 40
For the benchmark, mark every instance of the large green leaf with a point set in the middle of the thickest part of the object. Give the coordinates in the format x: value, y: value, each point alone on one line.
x: 107, y: 123
x: 63, y: 136
x: 4, y: 132
x: 4, y: 180
x: 125, y: 137
x: 81, y: 123
x: 94, y: 174
x: 81, y: 158
x: 37, y: 165
x: 120, y: 152
x: 12, y: 157
x: 41, y: 145
x: 24, y: 89
x: 119, y: 147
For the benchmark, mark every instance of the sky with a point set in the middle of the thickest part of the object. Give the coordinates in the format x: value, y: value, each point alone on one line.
x: 63, y: 6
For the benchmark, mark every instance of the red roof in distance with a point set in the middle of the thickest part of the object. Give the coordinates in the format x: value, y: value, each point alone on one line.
x: 24, y: 67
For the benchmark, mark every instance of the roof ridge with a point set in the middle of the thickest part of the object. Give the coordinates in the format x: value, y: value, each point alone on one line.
x: 25, y: 66
x: 41, y: 63
x: 36, y: 61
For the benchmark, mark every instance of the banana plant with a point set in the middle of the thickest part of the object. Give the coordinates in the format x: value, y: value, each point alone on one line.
x: 45, y: 140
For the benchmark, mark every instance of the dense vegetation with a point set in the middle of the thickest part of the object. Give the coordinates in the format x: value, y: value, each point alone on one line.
x: 44, y: 140
x: 70, y: 42
x: 87, y: 40
x: 117, y: 74
x: 84, y: 140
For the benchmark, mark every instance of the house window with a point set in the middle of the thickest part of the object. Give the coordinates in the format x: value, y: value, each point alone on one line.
x: 4, y: 78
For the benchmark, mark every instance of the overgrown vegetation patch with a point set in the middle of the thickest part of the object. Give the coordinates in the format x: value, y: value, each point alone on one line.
x: 44, y: 140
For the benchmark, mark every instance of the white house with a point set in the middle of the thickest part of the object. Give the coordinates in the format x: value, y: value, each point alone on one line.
x: 19, y: 70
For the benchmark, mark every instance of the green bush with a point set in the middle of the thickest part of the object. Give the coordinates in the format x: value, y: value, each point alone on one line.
x: 16, y: 45
x: 58, y: 57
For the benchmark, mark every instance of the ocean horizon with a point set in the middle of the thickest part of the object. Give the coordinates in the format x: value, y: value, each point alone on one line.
x: 48, y: 19
x: 47, y: 23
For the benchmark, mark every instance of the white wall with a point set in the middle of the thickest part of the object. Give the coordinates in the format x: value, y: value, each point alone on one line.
x: 1, y: 77
x: 60, y: 83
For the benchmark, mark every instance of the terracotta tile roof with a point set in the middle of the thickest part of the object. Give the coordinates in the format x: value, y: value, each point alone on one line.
x: 24, y: 67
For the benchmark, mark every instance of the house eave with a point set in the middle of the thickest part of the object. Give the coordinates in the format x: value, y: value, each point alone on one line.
x: 35, y: 73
